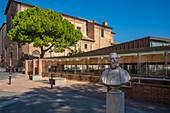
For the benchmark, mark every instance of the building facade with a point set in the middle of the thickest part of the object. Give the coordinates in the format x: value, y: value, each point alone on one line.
x: 2, y: 37
x: 95, y: 36
x: 142, y: 59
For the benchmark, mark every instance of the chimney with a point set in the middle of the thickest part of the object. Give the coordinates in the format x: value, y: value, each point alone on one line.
x: 105, y: 23
x: 94, y: 21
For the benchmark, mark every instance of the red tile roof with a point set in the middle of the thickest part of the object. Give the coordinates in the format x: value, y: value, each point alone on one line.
x: 87, y: 38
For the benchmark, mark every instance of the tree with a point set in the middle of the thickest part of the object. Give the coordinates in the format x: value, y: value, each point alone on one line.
x: 74, y: 52
x: 45, y: 28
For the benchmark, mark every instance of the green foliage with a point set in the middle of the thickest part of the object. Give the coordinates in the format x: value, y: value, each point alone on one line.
x: 45, y: 28
x: 74, y: 52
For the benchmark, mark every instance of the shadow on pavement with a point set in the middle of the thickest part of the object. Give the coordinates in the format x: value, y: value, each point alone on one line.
x: 57, y: 100
x: 76, y: 98
x: 99, y: 92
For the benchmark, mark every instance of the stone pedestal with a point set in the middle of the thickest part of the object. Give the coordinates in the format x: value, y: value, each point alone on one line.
x: 35, y: 77
x: 58, y: 81
x: 115, y: 101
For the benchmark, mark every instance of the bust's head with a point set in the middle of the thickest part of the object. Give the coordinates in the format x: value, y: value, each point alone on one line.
x: 114, y: 60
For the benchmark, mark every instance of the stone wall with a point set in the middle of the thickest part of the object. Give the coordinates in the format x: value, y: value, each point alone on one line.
x: 11, y: 48
x: 2, y: 37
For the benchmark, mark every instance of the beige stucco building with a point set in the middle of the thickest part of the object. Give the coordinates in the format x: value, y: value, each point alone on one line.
x: 95, y: 36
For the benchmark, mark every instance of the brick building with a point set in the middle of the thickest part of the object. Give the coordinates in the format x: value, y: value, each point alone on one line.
x: 2, y: 36
x: 95, y: 36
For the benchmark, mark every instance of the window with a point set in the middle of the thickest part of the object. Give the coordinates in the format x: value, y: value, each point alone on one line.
x: 85, y: 46
x: 79, y: 28
x: 102, y: 32
x: 154, y: 44
x: 87, y: 31
x: 12, y: 17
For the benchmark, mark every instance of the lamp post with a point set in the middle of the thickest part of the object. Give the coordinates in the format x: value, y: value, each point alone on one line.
x: 51, y: 81
x: 10, y: 77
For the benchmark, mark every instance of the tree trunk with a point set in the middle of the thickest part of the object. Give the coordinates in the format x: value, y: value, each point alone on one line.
x: 42, y: 53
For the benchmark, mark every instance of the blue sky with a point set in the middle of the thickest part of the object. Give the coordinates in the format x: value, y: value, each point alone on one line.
x: 131, y: 19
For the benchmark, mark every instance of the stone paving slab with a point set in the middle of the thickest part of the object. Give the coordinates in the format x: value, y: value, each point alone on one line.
x: 7, y: 94
x: 14, y: 100
x: 57, y: 103
x: 5, y: 75
x: 62, y: 103
x: 23, y: 85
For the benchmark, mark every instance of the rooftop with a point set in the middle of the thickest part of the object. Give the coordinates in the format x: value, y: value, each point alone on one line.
x: 2, y: 26
x: 9, y: 2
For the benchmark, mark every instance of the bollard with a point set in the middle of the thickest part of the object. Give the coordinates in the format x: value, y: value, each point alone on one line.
x: 51, y: 81
x: 10, y: 78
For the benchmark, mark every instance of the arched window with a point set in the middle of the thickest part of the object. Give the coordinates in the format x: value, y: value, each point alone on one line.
x: 36, y: 53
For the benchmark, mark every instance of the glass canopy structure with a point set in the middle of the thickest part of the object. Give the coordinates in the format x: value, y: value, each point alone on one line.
x: 141, y: 64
